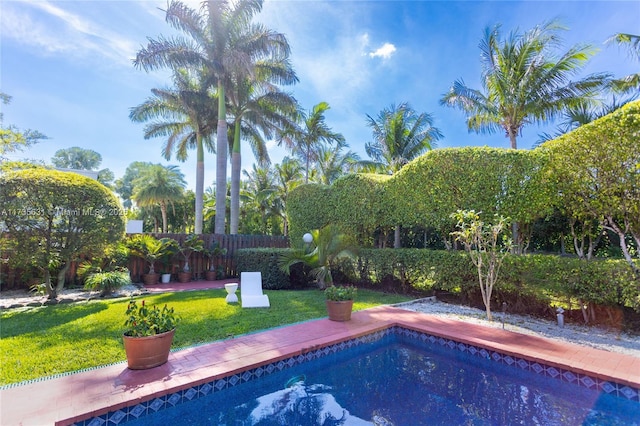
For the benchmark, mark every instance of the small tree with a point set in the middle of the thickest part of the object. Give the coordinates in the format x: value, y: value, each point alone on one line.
x: 54, y: 217
x: 482, y: 242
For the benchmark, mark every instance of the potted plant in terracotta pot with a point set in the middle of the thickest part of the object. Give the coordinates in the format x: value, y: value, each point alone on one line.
x: 191, y: 244
x: 214, y: 271
x: 148, y: 335
x: 340, y: 302
x: 151, y: 250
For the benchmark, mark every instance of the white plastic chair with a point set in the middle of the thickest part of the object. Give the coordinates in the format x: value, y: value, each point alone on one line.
x: 251, y: 295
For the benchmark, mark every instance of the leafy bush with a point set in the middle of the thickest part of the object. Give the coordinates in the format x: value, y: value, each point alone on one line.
x: 142, y: 321
x: 527, y: 283
x: 340, y: 293
x: 107, y: 282
x: 264, y: 260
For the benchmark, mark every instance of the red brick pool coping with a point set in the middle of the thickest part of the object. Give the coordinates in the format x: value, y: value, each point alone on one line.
x: 76, y: 397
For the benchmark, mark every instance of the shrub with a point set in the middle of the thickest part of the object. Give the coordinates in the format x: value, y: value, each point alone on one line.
x: 107, y: 282
x: 264, y: 260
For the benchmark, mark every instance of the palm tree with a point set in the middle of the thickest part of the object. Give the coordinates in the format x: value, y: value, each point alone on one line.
x: 158, y: 185
x: 258, y: 108
x: 223, y: 42
x: 260, y: 192
x: 583, y: 114
x: 333, y: 162
x: 523, y: 82
x: 630, y: 83
x: 288, y: 176
x: 399, y: 136
x: 304, y: 141
x: 183, y: 114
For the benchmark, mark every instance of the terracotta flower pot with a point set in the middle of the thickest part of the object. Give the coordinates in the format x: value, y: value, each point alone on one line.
x: 148, y: 352
x: 150, y: 279
x: 339, y: 311
x: 210, y: 275
x: 184, y: 277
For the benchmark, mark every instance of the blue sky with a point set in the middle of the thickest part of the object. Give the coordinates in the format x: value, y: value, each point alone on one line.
x: 68, y: 65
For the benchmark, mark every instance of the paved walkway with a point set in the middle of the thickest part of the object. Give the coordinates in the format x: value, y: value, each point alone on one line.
x: 84, y: 395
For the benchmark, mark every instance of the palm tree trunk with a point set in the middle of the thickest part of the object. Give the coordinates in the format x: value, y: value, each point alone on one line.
x: 222, y: 147
x: 236, y: 165
x: 199, y: 184
x: 163, y: 211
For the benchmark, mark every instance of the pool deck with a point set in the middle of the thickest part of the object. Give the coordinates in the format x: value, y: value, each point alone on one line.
x: 79, y: 396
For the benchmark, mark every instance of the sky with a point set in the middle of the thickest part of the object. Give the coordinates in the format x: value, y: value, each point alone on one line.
x: 68, y: 66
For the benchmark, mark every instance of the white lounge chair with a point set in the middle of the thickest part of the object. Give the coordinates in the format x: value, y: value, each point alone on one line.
x: 251, y: 294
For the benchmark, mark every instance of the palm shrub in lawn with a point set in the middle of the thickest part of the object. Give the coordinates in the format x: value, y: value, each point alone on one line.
x: 43, y: 341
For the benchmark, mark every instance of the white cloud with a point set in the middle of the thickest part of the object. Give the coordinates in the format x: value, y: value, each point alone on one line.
x: 52, y: 29
x: 384, y: 52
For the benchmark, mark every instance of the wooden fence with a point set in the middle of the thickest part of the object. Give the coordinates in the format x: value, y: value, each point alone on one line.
x: 12, y: 279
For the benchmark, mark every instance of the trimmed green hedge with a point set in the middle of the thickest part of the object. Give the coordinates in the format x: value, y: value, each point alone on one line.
x: 522, y: 281
x: 264, y: 260
x: 528, y: 283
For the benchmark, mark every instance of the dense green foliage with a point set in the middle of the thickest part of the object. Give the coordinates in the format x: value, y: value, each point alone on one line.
x: 590, y: 174
x: 83, y: 335
x: 53, y: 217
x: 266, y: 261
x: 596, y: 168
x: 106, y: 282
x: 540, y: 279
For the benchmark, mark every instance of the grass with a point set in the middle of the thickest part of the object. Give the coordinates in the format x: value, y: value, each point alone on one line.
x: 40, y: 342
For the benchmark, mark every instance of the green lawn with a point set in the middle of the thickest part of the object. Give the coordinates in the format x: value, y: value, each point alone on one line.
x: 40, y: 342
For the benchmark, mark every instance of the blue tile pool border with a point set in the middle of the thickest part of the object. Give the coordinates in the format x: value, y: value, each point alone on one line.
x: 170, y: 400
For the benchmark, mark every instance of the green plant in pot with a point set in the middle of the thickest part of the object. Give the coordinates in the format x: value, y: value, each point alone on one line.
x: 191, y: 244
x: 151, y: 249
x: 148, y: 334
x: 340, y: 302
x: 214, y: 272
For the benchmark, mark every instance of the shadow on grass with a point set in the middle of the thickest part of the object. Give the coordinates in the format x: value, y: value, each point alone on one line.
x: 46, y: 318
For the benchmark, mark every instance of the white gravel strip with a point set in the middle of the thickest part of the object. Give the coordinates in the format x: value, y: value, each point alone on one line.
x: 596, y: 337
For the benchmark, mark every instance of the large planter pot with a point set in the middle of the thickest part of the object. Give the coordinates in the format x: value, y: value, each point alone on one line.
x: 184, y: 277
x: 339, y: 311
x: 148, y: 352
x: 150, y: 279
x: 210, y: 275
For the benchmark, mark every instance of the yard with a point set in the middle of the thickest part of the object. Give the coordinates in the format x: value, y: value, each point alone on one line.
x: 51, y: 340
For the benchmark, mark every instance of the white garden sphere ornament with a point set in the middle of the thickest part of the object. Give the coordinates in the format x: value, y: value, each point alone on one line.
x: 307, y: 238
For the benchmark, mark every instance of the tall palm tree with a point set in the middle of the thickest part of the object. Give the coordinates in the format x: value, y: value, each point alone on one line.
x: 222, y: 41
x: 523, y: 82
x: 158, y: 185
x: 183, y: 114
x: 305, y: 140
x: 400, y: 134
x: 259, y: 108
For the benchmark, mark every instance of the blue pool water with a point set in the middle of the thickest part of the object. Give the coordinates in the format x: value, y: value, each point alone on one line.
x: 399, y: 380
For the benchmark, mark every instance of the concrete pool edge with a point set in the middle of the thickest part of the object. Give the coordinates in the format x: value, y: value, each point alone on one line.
x: 87, y: 395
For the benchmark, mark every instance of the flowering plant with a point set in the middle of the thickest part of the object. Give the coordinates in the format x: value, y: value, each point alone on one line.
x: 340, y: 294
x: 143, y: 321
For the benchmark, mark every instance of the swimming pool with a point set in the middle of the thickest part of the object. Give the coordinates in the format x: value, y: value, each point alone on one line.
x: 394, y: 376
